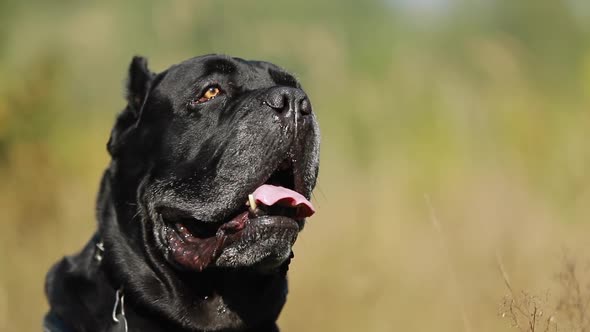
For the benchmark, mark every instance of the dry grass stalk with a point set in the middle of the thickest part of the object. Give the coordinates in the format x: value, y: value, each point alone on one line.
x: 526, y: 312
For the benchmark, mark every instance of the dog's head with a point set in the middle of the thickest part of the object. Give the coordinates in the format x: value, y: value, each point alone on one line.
x: 216, y: 158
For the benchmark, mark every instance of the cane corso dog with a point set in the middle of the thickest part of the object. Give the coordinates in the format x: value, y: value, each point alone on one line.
x: 213, y: 164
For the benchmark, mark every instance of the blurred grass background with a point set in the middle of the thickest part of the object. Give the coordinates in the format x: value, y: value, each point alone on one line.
x: 480, y: 107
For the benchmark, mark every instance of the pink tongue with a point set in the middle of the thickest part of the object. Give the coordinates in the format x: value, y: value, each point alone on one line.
x: 270, y: 195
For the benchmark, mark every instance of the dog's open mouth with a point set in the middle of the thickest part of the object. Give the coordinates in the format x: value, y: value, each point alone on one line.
x: 272, y: 212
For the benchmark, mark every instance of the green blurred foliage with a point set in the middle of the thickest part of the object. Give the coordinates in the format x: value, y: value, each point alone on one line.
x: 481, y: 105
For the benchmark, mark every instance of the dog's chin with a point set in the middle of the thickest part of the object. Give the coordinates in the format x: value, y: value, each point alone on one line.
x: 247, y: 241
x: 263, y: 245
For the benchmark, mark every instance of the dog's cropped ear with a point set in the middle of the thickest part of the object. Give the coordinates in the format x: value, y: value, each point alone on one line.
x: 138, y: 83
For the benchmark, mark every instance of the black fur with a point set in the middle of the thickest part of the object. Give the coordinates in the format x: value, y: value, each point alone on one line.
x: 179, y: 161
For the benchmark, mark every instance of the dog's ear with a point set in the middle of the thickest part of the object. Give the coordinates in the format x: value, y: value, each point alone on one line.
x: 138, y: 84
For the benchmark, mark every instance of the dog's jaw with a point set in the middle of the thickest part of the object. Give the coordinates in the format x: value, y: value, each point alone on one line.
x: 269, y: 220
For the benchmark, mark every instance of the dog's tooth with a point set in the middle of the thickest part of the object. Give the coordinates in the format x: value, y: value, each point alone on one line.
x: 252, y: 202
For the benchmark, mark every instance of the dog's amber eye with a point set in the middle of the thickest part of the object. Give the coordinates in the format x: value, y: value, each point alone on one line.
x: 209, y: 94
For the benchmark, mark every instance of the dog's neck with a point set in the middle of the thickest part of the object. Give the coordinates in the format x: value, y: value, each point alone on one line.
x: 84, y: 298
x: 82, y: 288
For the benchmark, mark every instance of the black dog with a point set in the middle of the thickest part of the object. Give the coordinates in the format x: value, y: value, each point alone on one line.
x: 213, y: 163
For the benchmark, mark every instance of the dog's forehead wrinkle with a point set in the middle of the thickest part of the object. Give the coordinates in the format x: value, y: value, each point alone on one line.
x: 219, y: 65
x: 283, y: 78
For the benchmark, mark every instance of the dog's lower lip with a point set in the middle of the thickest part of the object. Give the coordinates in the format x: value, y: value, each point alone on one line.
x: 190, y: 251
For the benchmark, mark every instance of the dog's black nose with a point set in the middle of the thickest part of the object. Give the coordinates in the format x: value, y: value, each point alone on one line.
x: 285, y: 100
